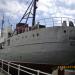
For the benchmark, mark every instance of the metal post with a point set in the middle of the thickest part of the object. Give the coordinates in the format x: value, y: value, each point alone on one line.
x: 61, y: 20
x: 38, y: 72
x: 2, y: 64
x: 68, y: 21
x: 2, y: 26
x: 8, y: 67
x: 53, y: 21
x: 18, y: 69
x: 34, y: 12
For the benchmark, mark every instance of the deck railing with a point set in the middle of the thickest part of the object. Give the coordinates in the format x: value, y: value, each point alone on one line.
x: 55, y: 21
x: 7, y: 67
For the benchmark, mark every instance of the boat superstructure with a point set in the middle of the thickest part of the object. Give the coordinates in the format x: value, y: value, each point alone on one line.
x: 40, y: 44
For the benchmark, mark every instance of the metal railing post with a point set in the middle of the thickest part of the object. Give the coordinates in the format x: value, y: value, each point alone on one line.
x: 68, y: 21
x: 8, y: 67
x: 18, y: 69
x: 61, y: 20
x: 38, y: 72
x: 2, y: 64
x: 53, y: 21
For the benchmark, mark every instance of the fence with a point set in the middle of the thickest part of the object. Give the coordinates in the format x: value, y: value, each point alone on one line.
x: 15, y: 69
x: 55, y: 21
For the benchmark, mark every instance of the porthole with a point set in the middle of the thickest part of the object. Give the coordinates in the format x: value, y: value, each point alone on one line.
x: 37, y: 34
x: 64, y: 31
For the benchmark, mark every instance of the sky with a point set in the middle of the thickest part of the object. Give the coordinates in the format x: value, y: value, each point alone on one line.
x: 13, y: 10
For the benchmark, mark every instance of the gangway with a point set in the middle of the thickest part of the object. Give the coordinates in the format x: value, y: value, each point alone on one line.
x: 16, y: 69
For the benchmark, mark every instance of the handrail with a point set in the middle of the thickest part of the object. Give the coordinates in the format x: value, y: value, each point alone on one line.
x: 19, y: 68
x: 55, y: 21
x: 28, y: 68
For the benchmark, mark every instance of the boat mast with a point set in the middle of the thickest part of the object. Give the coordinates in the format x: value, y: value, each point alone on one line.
x: 34, y: 12
x: 28, y: 12
x: 2, y: 26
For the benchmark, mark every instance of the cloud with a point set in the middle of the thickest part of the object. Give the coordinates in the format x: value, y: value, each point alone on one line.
x: 46, y: 6
x: 57, y: 8
x: 14, y: 9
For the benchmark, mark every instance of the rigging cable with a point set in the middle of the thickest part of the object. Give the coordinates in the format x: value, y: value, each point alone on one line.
x: 26, y: 11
